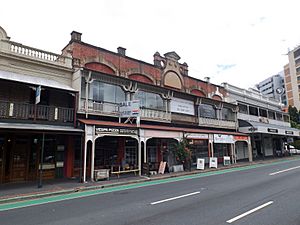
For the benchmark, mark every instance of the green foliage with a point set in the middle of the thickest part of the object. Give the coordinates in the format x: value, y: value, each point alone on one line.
x: 182, y: 152
x: 294, y: 114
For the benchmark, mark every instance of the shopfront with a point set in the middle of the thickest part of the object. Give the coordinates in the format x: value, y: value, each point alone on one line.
x: 199, y: 147
x: 24, y: 154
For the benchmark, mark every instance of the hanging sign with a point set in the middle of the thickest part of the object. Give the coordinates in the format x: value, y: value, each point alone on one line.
x: 129, y: 109
x: 38, y: 94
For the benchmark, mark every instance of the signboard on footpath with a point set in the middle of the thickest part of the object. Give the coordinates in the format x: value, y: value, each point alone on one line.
x: 200, y: 164
x: 108, y: 130
x: 213, y: 162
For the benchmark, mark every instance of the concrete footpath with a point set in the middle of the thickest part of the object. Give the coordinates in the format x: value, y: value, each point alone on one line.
x: 25, y: 191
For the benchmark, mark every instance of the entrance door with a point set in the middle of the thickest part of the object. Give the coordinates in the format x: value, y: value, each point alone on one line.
x: 19, y: 159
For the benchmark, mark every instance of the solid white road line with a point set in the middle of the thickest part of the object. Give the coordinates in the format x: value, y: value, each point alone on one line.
x: 249, y: 212
x: 282, y: 171
x: 174, y: 198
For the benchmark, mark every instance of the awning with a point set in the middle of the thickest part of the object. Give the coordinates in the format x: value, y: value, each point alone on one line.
x: 5, y: 75
x: 38, y: 127
x: 256, y: 127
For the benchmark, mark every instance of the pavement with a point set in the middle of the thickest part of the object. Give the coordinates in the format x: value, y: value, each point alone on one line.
x: 25, y: 191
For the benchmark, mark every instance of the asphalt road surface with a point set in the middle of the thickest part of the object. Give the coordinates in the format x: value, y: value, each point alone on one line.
x: 267, y: 195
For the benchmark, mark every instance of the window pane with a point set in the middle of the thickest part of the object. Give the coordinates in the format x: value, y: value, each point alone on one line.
x: 207, y: 111
x: 227, y: 114
x: 243, y: 109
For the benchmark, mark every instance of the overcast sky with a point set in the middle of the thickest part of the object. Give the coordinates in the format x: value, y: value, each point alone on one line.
x: 240, y: 42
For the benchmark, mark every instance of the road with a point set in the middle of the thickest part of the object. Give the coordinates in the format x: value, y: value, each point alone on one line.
x: 261, y: 195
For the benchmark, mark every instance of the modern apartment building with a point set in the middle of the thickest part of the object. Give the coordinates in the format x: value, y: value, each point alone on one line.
x: 292, y: 78
x: 273, y: 87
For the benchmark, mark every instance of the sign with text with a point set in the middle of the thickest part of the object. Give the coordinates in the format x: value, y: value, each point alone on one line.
x: 213, y: 162
x: 182, y: 106
x: 38, y: 94
x: 223, y: 139
x: 162, y: 167
x: 200, y: 164
x: 129, y: 109
x: 108, y: 130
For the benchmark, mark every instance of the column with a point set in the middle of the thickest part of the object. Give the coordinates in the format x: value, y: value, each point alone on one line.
x: 250, y: 149
x: 84, y: 161
x: 140, y: 156
x: 93, y: 160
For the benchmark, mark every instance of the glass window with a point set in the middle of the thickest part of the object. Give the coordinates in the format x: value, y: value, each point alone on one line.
x: 263, y: 112
x: 150, y: 100
x: 243, y: 109
x: 271, y: 115
x: 286, y: 118
x: 83, y: 87
x: 103, y: 92
x: 253, y: 111
x: 227, y: 114
x: 279, y: 116
x: 207, y: 111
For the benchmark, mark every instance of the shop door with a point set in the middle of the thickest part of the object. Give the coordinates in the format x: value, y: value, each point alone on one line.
x: 19, y: 160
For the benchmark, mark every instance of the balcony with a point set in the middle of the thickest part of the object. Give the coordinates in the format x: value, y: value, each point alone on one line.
x: 99, y: 108
x: 155, y: 115
x: 24, y: 111
x: 217, y: 123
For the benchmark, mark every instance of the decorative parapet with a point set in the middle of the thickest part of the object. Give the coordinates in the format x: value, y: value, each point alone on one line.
x: 34, y: 53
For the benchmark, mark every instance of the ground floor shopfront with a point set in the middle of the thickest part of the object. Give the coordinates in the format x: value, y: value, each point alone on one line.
x: 268, y: 140
x: 29, y: 155
x: 126, y: 148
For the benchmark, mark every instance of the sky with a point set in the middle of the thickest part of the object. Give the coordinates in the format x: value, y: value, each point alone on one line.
x: 241, y: 42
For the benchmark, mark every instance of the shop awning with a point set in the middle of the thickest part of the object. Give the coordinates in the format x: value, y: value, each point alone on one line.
x: 256, y: 127
x: 158, y: 127
x: 5, y: 75
x: 38, y: 127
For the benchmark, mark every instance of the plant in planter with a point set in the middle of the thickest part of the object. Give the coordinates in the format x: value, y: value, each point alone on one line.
x: 183, y: 153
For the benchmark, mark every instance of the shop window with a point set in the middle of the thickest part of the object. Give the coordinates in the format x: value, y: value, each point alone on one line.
x: 199, y: 149
x: 150, y: 100
x: 207, y: 111
x: 49, y: 151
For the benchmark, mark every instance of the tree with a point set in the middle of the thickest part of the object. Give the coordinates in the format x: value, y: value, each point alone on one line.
x: 294, y: 116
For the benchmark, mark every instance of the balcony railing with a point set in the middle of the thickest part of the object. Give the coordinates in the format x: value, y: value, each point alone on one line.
x: 103, y: 108
x: 217, y: 123
x: 38, y: 54
x: 157, y: 115
x: 24, y: 111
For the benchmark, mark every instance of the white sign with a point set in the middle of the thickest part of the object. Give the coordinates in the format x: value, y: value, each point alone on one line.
x: 213, y: 162
x: 129, y: 109
x: 226, y: 160
x: 196, y: 136
x: 182, y: 106
x: 222, y: 138
x: 38, y: 95
x: 200, y: 164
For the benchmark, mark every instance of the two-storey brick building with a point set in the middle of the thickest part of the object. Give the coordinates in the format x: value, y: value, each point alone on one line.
x: 173, y: 106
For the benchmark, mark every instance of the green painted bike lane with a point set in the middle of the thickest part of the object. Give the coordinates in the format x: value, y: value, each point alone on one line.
x: 86, y: 193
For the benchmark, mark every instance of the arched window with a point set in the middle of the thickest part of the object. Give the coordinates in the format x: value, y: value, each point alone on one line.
x: 150, y: 100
